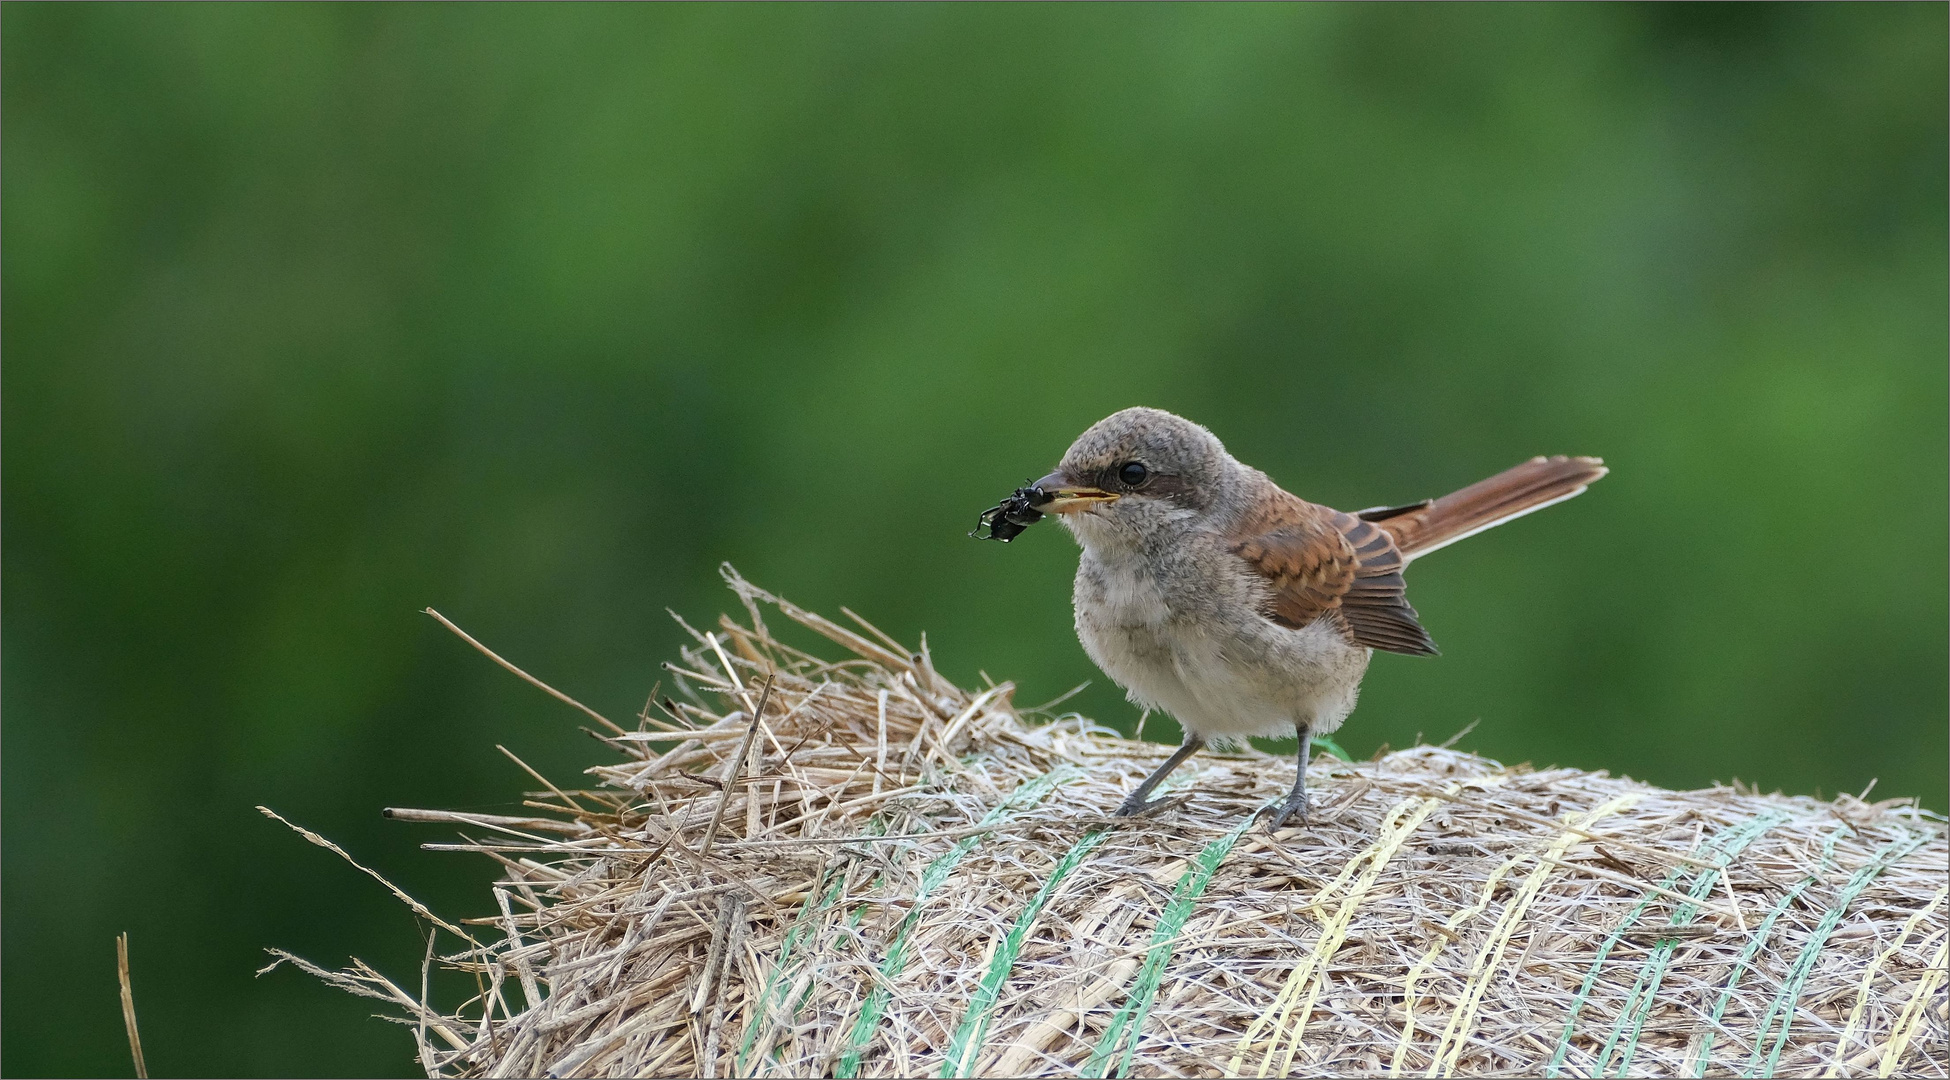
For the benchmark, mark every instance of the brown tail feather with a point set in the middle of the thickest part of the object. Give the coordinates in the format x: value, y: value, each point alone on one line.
x: 1512, y: 493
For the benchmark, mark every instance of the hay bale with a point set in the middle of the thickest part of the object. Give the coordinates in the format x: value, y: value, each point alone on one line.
x: 903, y: 878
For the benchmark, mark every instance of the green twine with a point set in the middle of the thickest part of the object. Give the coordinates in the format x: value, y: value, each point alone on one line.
x: 815, y: 904
x: 1027, y: 793
x: 1725, y: 844
x: 1332, y: 747
x: 1744, y: 962
x: 1638, y: 1003
x: 1128, y: 1024
x: 1783, y: 1005
x: 876, y: 826
x: 975, y: 1025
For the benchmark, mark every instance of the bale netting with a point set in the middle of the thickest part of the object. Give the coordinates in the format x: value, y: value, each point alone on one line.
x: 856, y: 868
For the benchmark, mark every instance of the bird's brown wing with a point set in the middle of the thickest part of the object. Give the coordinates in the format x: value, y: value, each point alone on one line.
x: 1320, y: 563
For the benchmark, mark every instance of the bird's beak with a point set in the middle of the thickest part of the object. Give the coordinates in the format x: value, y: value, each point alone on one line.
x: 1068, y: 498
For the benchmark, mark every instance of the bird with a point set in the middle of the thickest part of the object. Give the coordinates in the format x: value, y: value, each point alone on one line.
x: 1208, y: 592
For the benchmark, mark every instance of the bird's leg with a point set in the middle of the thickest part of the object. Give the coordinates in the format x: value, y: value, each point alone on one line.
x: 1137, y: 803
x: 1296, y: 803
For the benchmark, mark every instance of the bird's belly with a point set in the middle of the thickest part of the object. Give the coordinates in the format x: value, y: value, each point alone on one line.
x: 1222, y: 679
x: 1124, y: 627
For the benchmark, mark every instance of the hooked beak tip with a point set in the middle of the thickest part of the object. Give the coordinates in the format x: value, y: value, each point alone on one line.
x: 1070, y: 498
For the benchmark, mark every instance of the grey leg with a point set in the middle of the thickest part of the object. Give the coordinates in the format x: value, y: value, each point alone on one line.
x: 1137, y: 803
x: 1296, y: 803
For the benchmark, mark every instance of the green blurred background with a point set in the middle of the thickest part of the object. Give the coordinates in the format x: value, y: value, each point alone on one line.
x: 316, y: 316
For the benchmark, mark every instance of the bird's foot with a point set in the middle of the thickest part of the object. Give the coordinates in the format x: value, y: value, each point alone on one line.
x: 1137, y: 807
x: 1296, y: 805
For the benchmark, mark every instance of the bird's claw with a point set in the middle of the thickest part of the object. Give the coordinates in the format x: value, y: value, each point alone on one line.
x: 1295, y: 805
x: 1136, y: 807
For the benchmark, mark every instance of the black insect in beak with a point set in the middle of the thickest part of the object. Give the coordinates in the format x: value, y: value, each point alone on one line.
x: 1007, y: 519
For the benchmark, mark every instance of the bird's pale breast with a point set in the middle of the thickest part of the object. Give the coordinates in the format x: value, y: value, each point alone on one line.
x: 1179, y: 630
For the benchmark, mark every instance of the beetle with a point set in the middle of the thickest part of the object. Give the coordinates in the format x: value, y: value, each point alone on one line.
x: 1007, y: 519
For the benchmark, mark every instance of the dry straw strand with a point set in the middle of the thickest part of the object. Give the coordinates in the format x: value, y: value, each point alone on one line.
x: 417, y: 907
x: 1630, y: 1025
x: 128, y: 1004
x: 1869, y: 974
x: 882, y: 896
x: 524, y: 676
x: 1396, y: 828
x: 1128, y: 1025
x: 1726, y: 843
x: 1488, y: 959
x: 1784, y: 1003
x: 1905, y: 1028
x: 973, y: 1029
x: 1027, y: 794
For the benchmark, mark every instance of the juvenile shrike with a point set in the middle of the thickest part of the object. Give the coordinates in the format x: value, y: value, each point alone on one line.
x: 1211, y: 594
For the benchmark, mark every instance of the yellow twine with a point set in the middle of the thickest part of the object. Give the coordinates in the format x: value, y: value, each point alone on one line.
x: 1311, y: 973
x: 1912, y: 1012
x: 1862, y: 991
x: 1463, y: 915
x: 1483, y: 969
x: 1422, y: 966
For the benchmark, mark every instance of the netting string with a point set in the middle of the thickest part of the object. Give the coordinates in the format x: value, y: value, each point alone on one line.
x: 1725, y: 844
x: 1784, y: 1002
x: 1875, y: 967
x: 1702, y: 1053
x: 1311, y: 973
x: 969, y: 1036
x: 761, y: 1018
x: 1455, y: 1034
x: 1026, y: 794
x: 1127, y: 1026
x: 1906, y: 1024
x: 1630, y: 1024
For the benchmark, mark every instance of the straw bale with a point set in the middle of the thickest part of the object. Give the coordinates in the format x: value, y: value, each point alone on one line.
x: 902, y: 877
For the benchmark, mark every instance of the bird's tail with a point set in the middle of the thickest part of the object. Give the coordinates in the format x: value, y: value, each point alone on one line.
x: 1428, y: 526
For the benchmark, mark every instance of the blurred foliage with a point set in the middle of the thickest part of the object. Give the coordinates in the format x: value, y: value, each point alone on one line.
x: 318, y: 315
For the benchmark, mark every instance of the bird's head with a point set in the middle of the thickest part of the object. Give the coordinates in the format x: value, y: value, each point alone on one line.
x: 1133, y: 468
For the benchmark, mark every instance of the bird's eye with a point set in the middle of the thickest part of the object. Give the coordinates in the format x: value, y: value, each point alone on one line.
x: 1133, y: 473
